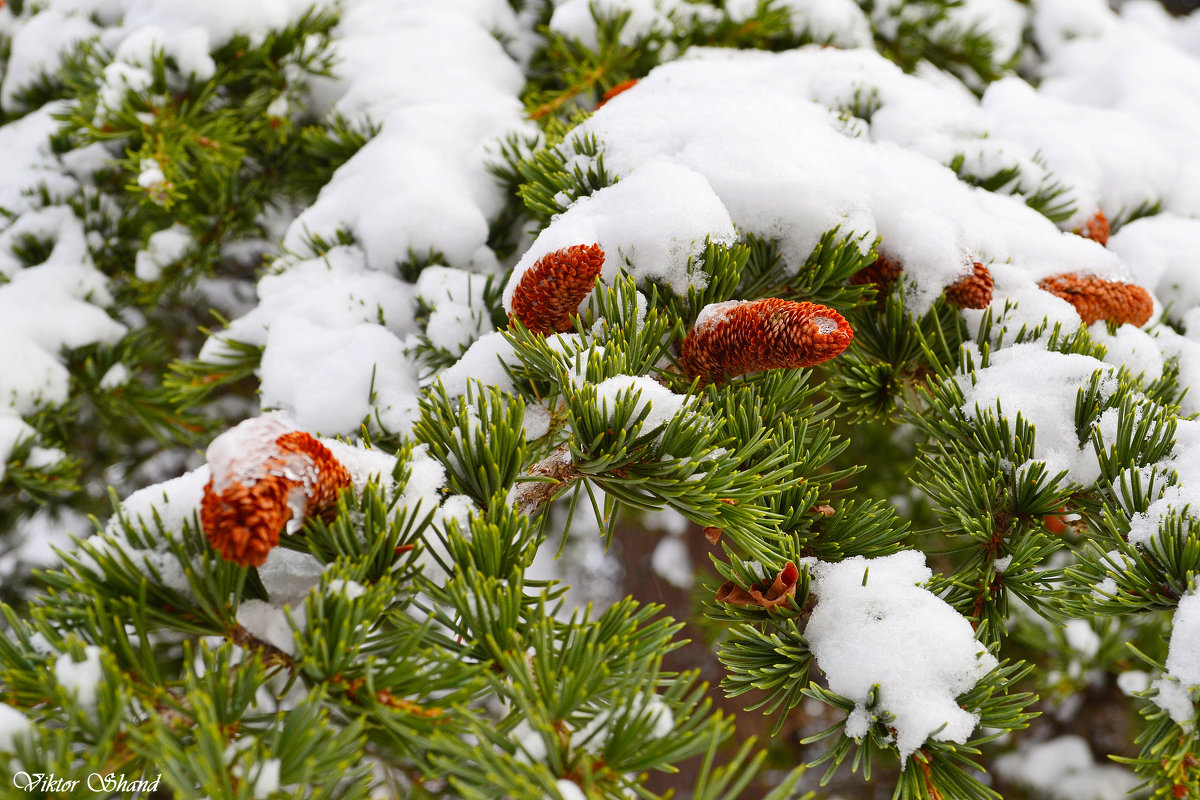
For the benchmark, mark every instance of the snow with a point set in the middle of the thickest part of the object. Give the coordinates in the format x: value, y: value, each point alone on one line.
x: 29, y: 160
x: 672, y: 563
x: 14, y: 726
x: 573, y: 19
x: 875, y: 624
x: 333, y: 330
x: 37, y: 50
x: 348, y: 589
x: 652, y: 223
x: 332, y: 380
x: 247, y: 452
x: 266, y: 778
x: 115, y: 377
x: 441, y: 87
x: 569, y: 790
x: 1063, y: 769
x: 173, y: 502
x: 483, y: 361
x: 1176, y: 689
x: 288, y: 576
x: 1130, y: 347
x: 1184, y: 461
x: 81, y: 678
x: 364, y: 464
x: 659, y: 402
x: 269, y: 623
x: 841, y: 23
x: 715, y: 145
x: 1160, y: 251
x: 162, y: 249
x: 1041, y: 386
x: 1081, y: 638
x: 787, y: 167
x: 1133, y: 681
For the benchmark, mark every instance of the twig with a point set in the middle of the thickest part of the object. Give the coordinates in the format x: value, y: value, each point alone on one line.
x: 558, y: 467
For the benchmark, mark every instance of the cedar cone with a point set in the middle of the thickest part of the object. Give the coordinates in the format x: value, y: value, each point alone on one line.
x: 1095, y: 298
x: 616, y: 90
x: 739, y: 337
x: 243, y: 521
x: 1096, y: 228
x: 776, y: 594
x: 549, y: 293
x: 972, y: 291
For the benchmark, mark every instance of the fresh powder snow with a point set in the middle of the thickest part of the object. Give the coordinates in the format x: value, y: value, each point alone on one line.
x: 875, y: 624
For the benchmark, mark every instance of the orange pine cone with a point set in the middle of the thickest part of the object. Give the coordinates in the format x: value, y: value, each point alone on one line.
x: 616, y: 90
x: 1096, y: 228
x: 740, y: 337
x: 550, y: 291
x: 258, y: 484
x: 883, y: 272
x: 972, y: 291
x: 1095, y: 298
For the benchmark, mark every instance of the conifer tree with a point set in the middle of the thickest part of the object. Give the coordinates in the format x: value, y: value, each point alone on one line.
x: 341, y: 320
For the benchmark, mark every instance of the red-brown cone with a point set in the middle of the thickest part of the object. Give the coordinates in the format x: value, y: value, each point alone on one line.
x: 1096, y: 228
x: 883, y: 272
x: 243, y: 521
x: 550, y: 291
x: 740, y: 337
x: 616, y: 90
x: 1095, y: 298
x: 776, y: 594
x: 972, y: 291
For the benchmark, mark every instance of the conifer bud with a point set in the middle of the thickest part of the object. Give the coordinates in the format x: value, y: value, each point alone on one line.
x: 549, y: 293
x: 776, y: 594
x: 1096, y: 298
x: 1096, y: 228
x: 265, y: 477
x: 739, y: 337
x: 972, y: 291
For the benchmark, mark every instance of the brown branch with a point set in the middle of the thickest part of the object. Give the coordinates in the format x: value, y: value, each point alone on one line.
x: 272, y: 656
x: 558, y: 466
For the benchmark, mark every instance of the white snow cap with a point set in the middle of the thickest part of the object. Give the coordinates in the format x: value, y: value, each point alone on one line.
x: 1041, y: 385
x: 766, y: 132
x: 13, y: 726
x: 81, y: 677
x: 875, y: 624
x: 663, y: 404
x: 1183, y: 663
x: 651, y: 223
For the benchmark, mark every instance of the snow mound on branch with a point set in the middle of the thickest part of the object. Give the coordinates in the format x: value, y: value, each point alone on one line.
x: 82, y: 678
x: 1182, y: 495
x: 653, y: 224
x: 338, y: 325
x: 442, y: 88
x: 769, y: 134
x: 1041, y: 386
x: 660, y: 403
x: 875, y: 625
x: 1175, y: 688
